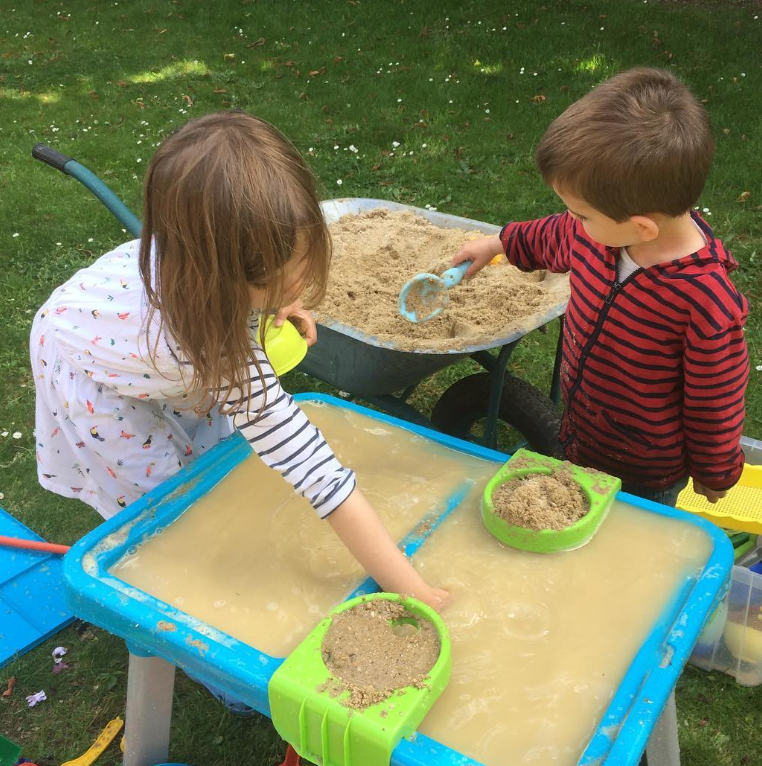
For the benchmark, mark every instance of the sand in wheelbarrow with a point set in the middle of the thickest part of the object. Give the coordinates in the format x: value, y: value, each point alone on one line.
x: 377, y: 252
x: 373, y: 655
x: 553, y: 501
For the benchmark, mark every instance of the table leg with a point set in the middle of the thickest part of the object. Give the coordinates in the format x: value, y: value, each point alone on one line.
x: 663, y: 748
x: 150, y: 687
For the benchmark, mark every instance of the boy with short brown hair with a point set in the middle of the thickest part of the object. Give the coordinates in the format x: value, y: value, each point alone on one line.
x: 654, y: 357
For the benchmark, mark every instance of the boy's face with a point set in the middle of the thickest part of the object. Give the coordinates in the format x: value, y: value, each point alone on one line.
x: 600, y: 227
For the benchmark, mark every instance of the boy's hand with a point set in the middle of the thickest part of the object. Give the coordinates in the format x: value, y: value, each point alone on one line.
x: 481, y: 251
x: 712, y: 495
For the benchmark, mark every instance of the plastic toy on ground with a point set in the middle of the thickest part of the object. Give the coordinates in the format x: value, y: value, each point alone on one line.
x: 105, y: 738
x: 9, y: 752
x: 309, y: 716
x: 732, y: 640
x: 599, y: 489
x: 292, y: 758
x: 31, y: 593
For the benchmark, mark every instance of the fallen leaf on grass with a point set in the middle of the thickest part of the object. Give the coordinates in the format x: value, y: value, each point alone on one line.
x: 538, y: 99
x: 743, y: 196
x: 257, y: 43
x: 188, y: 100
x: 11, y: 684
x: 220, y: 90
x: 122, y: 83
x: 228, y: 57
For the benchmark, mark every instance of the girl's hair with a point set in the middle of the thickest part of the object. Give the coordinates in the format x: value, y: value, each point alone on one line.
x: 227, y: 203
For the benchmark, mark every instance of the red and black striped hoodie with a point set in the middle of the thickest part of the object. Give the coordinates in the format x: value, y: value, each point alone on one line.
x: 654, y: 368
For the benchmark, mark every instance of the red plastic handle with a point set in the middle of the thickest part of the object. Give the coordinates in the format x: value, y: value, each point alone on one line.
x: 292, y: 758
x: 33, y: 545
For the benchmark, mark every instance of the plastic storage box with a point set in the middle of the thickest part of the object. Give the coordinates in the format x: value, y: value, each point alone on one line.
x: 732, y: 640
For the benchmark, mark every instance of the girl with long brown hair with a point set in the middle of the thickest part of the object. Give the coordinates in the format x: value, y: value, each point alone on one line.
x: 142, y: 359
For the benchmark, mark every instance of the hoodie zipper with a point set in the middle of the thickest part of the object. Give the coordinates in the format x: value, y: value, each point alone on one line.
x: 613, y: 292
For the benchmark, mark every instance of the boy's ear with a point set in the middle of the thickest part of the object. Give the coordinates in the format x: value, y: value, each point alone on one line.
x: 647, y: 227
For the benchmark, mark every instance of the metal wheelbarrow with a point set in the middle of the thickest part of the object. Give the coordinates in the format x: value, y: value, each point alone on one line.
x: 363, y: 367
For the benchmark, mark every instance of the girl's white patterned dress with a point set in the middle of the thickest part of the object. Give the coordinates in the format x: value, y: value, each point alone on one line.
x: 111, y: 425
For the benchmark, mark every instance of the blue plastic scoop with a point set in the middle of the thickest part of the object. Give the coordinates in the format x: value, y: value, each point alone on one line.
x: 425, y: 295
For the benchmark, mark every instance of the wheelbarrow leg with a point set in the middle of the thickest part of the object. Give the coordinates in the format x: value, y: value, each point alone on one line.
x: 555, y: 384
x: 150, y: 686
x: 496, y: 395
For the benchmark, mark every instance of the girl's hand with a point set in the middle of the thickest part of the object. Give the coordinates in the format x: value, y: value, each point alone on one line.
x: 302, y: 319
x: 712, y: 495
x: 436, y: 598
x: 481, y: 251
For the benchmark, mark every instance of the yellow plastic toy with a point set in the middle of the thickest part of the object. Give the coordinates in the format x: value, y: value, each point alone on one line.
x: 105, y: 738
x: 744, y: 642
x: 284, y: 346
x: 740, y: 509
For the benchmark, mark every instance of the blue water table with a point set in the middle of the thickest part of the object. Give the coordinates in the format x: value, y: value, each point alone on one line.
x: 160, y: 636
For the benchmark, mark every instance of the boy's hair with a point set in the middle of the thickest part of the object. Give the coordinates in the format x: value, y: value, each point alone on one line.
x: 224, y: 200
x: 638, y: 143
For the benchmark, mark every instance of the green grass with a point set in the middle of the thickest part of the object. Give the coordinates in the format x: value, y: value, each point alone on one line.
x: 453, y: 83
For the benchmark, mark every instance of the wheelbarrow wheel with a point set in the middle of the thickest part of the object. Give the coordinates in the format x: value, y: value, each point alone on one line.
x: 522, y: 406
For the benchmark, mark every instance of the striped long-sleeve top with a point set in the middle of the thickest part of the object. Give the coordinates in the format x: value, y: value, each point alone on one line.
x: 111, y: 424
x: 654, y: 368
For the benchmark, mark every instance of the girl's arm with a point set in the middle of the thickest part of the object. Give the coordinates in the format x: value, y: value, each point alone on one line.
x: 286, y: 440
x: 361, y: 530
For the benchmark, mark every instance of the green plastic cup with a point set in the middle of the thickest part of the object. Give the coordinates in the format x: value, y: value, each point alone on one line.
x: 599, y: 488
x: 284, y: 345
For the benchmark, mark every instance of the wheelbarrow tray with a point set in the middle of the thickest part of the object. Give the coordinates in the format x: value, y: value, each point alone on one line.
x: 364, y: 365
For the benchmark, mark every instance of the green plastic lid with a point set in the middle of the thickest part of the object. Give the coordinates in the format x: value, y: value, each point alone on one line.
x: 321, y: 729
x: 284, y: 345
x: 599, y: 488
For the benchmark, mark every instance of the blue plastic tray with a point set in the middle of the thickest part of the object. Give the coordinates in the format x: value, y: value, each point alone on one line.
x: 244, y: 671
x: 32, y: 605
